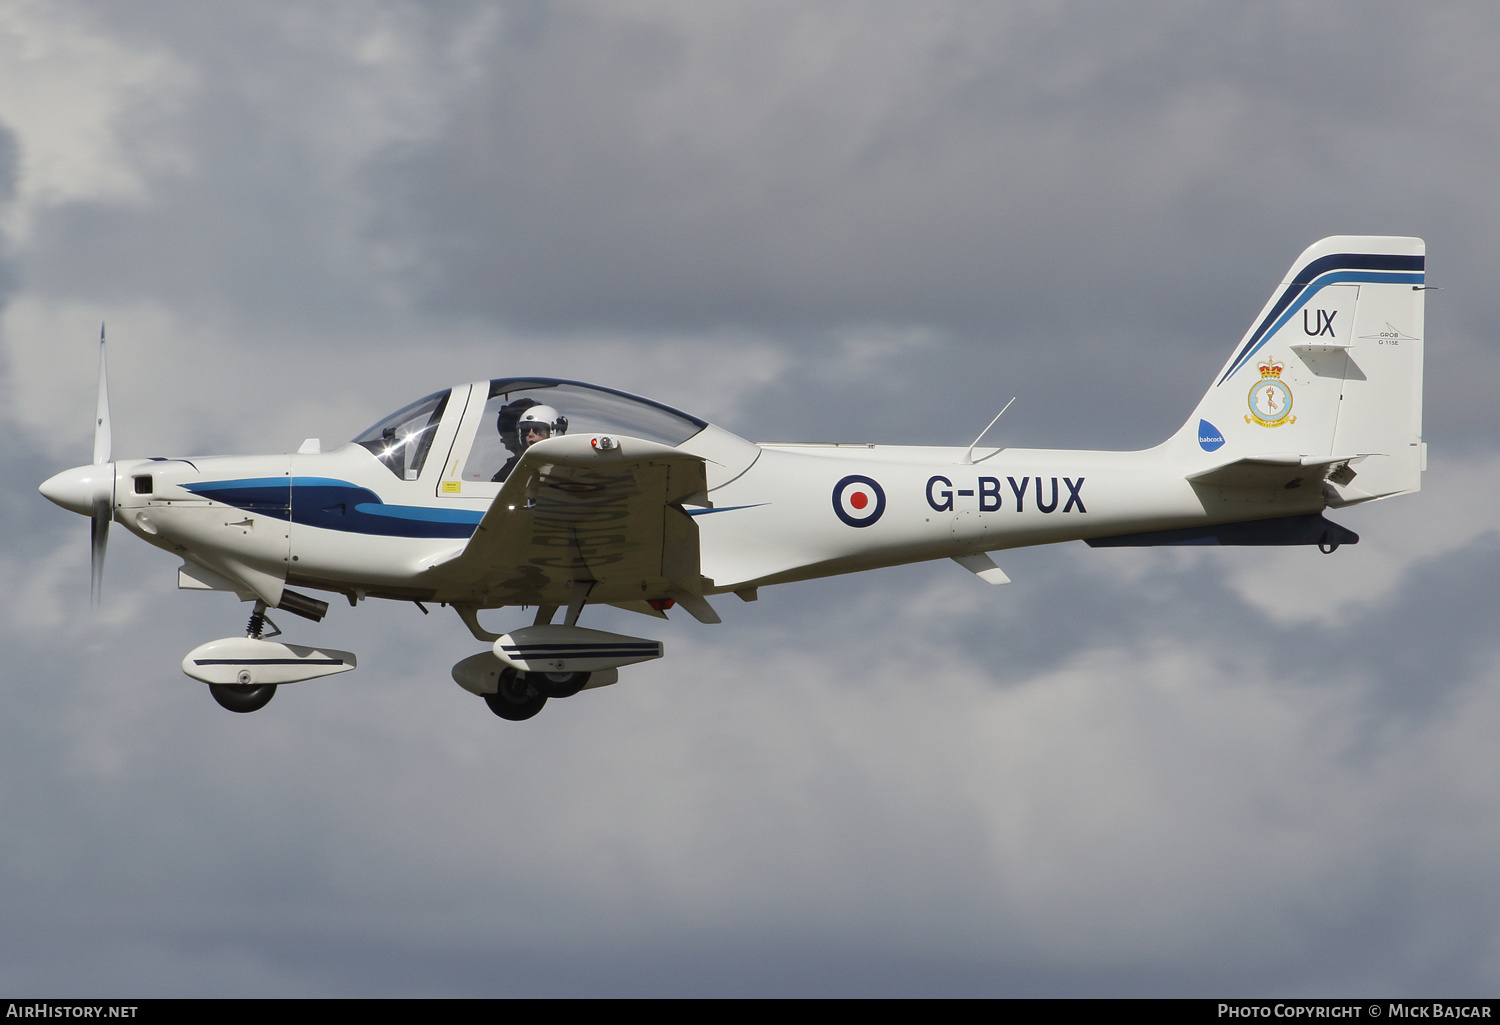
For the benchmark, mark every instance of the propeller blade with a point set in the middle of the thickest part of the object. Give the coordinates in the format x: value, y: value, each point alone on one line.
x: 99, y: 540
x: 103, y: 441
x: 101, y: 512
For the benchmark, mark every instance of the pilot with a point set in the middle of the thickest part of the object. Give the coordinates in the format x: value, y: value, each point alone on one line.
x: 523, y: 423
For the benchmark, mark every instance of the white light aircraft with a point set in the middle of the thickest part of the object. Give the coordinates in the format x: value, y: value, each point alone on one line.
x: 554, y: 495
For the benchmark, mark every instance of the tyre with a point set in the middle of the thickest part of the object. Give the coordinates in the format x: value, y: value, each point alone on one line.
x: 559, y: 685
x: 516, y: 698
x: 243, y: 697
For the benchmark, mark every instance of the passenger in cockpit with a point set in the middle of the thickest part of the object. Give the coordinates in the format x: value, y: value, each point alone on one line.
x: 523, y: 423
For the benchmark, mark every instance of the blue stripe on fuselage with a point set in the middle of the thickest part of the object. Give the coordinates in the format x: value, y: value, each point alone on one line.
x: 337, y: 505
x: 722, y: 508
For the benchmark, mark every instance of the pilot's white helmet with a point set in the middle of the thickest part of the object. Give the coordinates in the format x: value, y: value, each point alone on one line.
x: 548, y: 420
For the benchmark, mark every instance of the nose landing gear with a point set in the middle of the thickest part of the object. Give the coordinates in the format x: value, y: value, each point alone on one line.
x: 243, y: 673
x: 242, y: 697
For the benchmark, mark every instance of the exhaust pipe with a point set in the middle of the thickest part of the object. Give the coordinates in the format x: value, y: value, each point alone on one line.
x: 302, y: 605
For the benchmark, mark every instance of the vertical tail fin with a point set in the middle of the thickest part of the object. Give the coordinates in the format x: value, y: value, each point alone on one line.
x: 1331, y: 367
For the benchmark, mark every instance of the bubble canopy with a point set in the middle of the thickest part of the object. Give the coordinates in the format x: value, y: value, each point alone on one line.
x: 401, y: 441
x: 579, y: 409
x: 593, y: 410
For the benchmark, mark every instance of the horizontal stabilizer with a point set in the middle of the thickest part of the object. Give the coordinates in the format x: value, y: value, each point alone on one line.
x: 1311, y: 529
x: 1276, y: 471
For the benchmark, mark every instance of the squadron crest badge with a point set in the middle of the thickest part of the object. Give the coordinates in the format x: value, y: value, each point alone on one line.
x: 1270, y: 399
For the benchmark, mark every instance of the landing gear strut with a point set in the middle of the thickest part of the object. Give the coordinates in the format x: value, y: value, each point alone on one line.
x: 244, y: 696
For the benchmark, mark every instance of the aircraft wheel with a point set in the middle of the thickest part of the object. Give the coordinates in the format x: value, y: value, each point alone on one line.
x: 242, y: 697
x: 516, y: 699
x: 559, y: 685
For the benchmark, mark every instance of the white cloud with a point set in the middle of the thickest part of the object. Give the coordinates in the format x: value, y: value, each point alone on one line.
x: 83, y: 106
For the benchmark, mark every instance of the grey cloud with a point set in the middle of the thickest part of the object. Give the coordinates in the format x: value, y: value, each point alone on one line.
x: 989, y: 179
x: 938, y: 196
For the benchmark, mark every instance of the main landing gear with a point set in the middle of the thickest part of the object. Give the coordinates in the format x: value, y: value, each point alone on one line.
x: 520, y: 696
x: 529, y: 665
x: 516, y: 696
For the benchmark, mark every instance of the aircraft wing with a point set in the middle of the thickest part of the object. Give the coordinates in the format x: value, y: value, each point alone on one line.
x: 596, y: 514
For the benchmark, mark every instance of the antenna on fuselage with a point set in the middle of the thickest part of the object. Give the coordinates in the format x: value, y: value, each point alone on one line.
x: 969, y: 458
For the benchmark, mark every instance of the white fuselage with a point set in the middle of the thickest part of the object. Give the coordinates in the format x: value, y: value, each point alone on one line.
x: 773, y: 521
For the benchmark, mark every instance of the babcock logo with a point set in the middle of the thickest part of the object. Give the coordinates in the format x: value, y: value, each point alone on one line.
x: 1209, y: 437
x: 858, y: 501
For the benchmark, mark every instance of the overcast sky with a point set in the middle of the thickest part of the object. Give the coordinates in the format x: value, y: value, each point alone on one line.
x: 1190, y: 772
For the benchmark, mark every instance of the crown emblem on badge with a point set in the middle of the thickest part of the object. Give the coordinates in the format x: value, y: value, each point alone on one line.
x: 1271, y: 368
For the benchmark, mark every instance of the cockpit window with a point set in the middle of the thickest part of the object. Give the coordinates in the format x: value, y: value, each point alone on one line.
x: 401, y: 440
x: 563, y: 407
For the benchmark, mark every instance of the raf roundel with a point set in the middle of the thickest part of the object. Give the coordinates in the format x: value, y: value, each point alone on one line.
x: 858, y: 501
